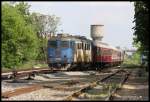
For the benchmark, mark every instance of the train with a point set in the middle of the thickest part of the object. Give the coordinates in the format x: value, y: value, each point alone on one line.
x: 66, y: 51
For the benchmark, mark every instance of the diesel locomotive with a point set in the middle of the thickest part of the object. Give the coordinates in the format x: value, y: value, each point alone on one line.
x: 67, y: 51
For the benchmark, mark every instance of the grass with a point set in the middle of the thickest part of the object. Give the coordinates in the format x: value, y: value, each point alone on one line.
x: 27, y: 66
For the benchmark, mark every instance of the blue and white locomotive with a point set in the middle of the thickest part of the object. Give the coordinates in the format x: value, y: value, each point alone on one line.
x: 66, y: 50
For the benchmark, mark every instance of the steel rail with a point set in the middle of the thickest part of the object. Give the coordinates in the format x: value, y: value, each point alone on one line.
x: 19, y: 74
x: 110, y: 97
x: 93, y: 84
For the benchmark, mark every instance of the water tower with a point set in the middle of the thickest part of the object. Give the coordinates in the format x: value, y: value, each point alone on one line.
x: 97, y: 32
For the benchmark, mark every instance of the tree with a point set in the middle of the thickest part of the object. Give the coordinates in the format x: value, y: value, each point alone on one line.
x: 45, y: 25
x: 19, y: 42
x: 24, y: 11
x: 24, y: 34
x: 141, y: 19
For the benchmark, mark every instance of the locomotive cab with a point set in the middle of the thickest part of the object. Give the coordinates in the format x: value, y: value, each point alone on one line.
x: 60, y: 52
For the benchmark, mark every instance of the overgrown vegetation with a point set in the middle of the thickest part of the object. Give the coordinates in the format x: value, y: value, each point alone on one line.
x: 141, y: 34
x: 133, y: 60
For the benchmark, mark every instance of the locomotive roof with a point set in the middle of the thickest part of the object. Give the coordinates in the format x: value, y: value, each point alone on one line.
x: 105, y: 45
x: 69, y: 37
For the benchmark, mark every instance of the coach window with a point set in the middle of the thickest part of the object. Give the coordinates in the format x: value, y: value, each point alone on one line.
x: 88, y: 46
x: 79, y: 45
x: 98, y: 51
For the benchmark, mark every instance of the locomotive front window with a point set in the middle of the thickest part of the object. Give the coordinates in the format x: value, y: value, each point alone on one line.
x: 53, y: 44
x: 64, y: 43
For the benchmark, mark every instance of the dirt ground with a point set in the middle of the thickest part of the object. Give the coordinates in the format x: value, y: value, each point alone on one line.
x: 135, y: 88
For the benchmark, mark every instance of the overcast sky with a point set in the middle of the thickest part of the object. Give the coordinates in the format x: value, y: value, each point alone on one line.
x: 76, y: 18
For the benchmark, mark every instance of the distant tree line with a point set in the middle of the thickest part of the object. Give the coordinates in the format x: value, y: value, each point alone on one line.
x: 24, y: 34
x: 141, y: 34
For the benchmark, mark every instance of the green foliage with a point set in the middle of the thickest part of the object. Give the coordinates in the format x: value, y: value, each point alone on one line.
x: 133, y: 60
x: 42, y: 49
x: 24, y: 35
x: 141, y: 19
x: 19, y: 42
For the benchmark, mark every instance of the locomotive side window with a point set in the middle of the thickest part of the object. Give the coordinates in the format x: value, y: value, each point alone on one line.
x: 53, y: 44
x: 85, y: 46
x: 79, y: 45
x: 71, y: 44
x: 89, y: 47
x: 64, y: 43
x: 82, y: 45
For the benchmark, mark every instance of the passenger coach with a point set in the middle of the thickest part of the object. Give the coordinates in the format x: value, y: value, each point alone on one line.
x: 104, y: 54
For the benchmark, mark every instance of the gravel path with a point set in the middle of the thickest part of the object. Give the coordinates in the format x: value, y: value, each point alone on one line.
x: 60, y: 84
x: 63, y: 84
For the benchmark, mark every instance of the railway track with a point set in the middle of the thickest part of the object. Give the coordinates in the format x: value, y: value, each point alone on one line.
x: 77, y: 95
x: 110, y: 97
x: 24, y: 73
x: 30, y: 72
x: 46, y: 84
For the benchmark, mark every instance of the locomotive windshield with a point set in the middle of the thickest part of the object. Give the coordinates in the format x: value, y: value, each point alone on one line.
x: 53, y: 44
x: 65, y: 44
